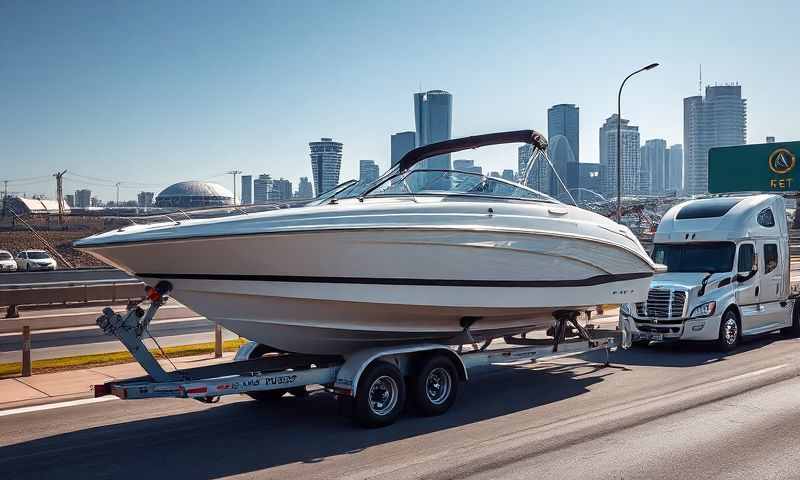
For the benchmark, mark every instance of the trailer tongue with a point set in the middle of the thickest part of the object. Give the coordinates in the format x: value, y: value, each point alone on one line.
x: 374, y: 382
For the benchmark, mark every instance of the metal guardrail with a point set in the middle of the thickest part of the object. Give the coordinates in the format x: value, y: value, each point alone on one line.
x: 68, y: 293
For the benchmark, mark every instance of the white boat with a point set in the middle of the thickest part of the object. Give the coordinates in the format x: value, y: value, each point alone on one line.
x: 420, y: 255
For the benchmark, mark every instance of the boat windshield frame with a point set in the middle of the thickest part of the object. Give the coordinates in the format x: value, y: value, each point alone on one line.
x: 402, y: 176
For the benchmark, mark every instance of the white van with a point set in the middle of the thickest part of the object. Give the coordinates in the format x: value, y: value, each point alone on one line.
x: 729, y: 274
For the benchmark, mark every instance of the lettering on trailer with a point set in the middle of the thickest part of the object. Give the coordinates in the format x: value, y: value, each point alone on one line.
x: 766, y: 167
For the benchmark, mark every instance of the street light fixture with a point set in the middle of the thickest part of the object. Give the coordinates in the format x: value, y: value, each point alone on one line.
x: 619, y: 139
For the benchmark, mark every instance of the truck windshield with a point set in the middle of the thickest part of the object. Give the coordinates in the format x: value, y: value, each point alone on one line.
x: 711, y: 257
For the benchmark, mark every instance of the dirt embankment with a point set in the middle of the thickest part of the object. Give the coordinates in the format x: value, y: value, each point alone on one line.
x: 74, y: 228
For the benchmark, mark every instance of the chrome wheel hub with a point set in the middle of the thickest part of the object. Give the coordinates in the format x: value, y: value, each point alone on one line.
x: 383, y: 395
x: 437, y: 386
x: 730, y: 331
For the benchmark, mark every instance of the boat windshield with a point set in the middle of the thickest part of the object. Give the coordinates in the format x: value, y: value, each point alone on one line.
x: 453, y: 182
x: 339, y: 191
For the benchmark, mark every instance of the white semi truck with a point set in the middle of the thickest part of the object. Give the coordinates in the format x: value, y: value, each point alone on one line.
x: 729, y: 274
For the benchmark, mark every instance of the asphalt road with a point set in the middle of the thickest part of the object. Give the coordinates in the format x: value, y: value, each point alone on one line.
x: 661, y: 412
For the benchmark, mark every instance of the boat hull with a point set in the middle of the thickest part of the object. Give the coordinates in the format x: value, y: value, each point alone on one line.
x: 335, y: 291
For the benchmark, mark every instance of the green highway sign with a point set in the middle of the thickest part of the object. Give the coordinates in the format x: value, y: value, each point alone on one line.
x: 764, y: 167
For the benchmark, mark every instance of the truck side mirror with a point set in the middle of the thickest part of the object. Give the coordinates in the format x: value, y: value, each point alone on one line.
x: 754, y: 267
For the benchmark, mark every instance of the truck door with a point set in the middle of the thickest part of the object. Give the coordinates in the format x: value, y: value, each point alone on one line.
x: 748, y: 286
x: 772, y: 283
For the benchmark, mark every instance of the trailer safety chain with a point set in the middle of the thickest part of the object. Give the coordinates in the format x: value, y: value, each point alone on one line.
x: 163, y: 353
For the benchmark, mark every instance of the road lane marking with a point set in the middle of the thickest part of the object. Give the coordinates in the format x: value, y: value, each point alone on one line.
x: 52, y: 406
x: 94, y: 327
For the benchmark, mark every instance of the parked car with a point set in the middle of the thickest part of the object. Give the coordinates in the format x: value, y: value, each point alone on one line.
x: 7, y: 263
x: 35, y: 260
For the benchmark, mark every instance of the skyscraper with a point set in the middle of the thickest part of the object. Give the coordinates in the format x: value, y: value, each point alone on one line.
x: 326, y: 160
x: 304, y: 189
x: 507, y: 174
x: 653, y: 167
x: 281, y: 190
x: 465, y: 165
x: 675, y: 168
x: 718, y: 120
x: 368, y: 171
x: 262, y: 186
x: 433, y: 119
x: 540, y: 174
x: 563, y: 160
x: 402, y: 143
x: 630, y: 156
x: 564, y: 120
x: 247, y: 189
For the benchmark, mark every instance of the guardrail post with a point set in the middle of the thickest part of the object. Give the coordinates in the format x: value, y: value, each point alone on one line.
x: 26, y: 351
x: 12, y: 312
x: 217, y: 340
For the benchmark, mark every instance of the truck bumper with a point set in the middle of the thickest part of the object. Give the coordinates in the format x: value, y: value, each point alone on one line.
x: 660, y: 330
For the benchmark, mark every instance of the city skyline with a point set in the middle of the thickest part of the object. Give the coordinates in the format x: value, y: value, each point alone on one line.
x: 205, y: 104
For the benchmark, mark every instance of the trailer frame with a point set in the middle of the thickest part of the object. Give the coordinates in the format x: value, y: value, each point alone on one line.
x: 341, y: 375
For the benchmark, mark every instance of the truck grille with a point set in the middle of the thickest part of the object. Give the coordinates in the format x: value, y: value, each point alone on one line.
x: 662, y: 303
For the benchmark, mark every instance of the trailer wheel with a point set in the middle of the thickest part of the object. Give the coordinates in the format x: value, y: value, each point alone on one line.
x: 380, y: 396
x: 794, y: 330
x: 729, y: 332
x: 435, y: 387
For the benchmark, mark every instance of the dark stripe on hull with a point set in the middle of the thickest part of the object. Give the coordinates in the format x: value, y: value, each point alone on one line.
x: 585, y: 282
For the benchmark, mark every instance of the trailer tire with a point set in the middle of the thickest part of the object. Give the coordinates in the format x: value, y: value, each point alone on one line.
x: 435, y: 386
x: 794, y: 330
x: 381, y: 395
x: 730, y: 331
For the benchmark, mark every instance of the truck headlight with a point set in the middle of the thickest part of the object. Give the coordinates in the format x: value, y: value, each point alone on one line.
x: 704, y: 310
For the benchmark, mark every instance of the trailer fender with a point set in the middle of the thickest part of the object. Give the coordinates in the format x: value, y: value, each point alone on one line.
x: 244, y: 351
x: 350, y: 372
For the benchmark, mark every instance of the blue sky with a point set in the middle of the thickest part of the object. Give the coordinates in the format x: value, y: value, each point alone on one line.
x: 153, y: 92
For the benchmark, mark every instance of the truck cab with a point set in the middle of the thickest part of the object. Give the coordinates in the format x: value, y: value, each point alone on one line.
x: 728, y: 274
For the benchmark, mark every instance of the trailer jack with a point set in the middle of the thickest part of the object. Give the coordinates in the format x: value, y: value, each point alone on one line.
x: 130, y: 328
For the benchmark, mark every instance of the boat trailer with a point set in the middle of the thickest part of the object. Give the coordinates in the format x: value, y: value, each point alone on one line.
x: 373, y: 383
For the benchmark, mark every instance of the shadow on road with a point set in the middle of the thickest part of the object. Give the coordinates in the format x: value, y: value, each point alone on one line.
x: 248, y: 436
x: 686, y: 354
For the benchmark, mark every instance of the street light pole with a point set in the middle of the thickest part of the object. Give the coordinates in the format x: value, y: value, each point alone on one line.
x: 234, y: 173
x: 619, y: 139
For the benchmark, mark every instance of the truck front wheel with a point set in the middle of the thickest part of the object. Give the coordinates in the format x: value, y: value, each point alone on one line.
x: 729, y: 332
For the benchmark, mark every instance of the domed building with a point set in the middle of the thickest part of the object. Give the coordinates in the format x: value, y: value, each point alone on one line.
x: 194, y: 194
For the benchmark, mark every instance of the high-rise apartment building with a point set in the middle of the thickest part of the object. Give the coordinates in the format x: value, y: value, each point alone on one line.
x: 630, y: 156
x: 717, y: 120
x: 507, y: 174
x: 247, y: 189
x: 402, y: 143
x: 262, y: 186
x: 281, y: 190
x: 368, y: 171
x: 304, y: 189
x: 675, y: 168
x: 83, y: 198
x: 70, y: 200
x: 433, y: 119
x: 653, y: 165
x: 326, y: 160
